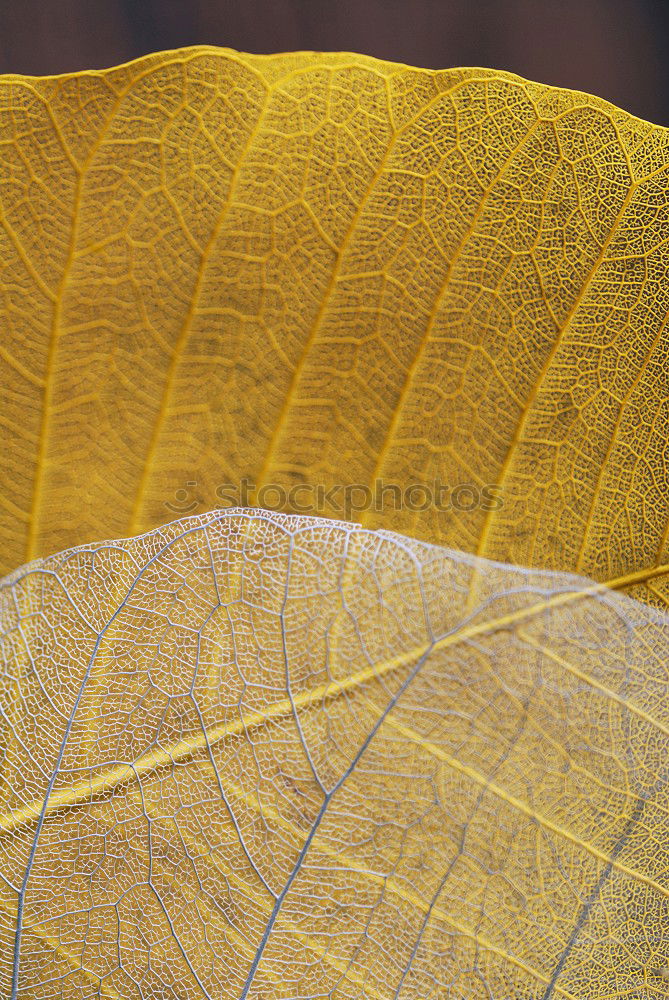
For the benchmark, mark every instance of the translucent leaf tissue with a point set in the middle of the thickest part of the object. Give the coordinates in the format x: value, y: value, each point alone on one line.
x: 418, y: 753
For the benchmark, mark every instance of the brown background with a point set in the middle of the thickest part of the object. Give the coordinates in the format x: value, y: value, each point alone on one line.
x: 614, y: 48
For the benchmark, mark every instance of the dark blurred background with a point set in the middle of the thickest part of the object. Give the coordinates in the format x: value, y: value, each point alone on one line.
x: 614, y: 48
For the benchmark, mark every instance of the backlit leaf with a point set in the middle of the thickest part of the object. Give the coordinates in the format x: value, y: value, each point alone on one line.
x: 266, y: 756
x: 326, y: 269
x: 255, y: 755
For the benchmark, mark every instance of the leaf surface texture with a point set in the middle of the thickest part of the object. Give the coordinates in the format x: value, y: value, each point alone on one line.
x: 322, y: 268
x: 256, y: 755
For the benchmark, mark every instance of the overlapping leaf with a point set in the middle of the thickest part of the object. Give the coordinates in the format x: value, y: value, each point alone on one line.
x: 258, y: 756
x: 252, y: 755
x: 324, y: 268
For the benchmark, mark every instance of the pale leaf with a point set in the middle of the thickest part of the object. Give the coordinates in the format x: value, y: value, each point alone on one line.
x: 266, y: 756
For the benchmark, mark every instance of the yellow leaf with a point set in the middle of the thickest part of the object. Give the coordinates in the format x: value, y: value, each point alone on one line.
x: 323, y: 269
x: 255, y: 755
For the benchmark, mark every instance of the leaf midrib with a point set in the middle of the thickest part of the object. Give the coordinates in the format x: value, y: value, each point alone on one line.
x: 110, y: 780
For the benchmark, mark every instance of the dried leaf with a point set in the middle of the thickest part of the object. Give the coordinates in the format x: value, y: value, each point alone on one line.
x: 264, y: 756
x: 255, y: 755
